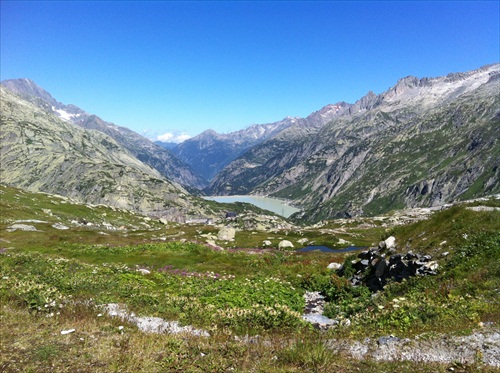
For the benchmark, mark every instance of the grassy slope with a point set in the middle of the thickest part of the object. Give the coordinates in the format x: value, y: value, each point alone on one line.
x: 97, y: 266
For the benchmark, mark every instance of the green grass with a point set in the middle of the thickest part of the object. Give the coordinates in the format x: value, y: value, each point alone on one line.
x: 55, y: 280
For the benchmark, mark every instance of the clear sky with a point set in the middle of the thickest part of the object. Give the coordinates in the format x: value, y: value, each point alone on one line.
x: 182, y: 67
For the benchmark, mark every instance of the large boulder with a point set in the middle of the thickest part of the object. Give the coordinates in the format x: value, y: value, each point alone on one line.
x: 334, y: 266
x: 226, y: 234
x: 390, y: 242
x: 285, y: 244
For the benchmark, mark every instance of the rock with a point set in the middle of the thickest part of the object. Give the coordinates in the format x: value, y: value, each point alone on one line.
x: 390, y: 242
x: 381, y: 267
x: 410, y: 256
x: 319, y: 321
x: 387, y: 340
x: 59, y: 226
x: 428, y: 268
x: 63, y: 332
x: 285, y: 244
x: 143, y: 271
x: 22, y: 227
x: 152, y: 324
x: 47, y: 211
x: 302, y: 241
x: 334, y: 266
x: 226, y: 234
x: 341, y: 241
x: 163, y: 221
x: 364, y: 255
x: 314, y: 302
x: 426, y: 258
x: 483, y: 208
x: 267, y: 243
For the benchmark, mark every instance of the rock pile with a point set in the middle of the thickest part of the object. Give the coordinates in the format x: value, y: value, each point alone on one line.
x: 375, y: 266
x: 313, y: 311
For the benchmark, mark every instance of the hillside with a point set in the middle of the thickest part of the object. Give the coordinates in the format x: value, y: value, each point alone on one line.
x: 41, y: 152
x: 151, y: 154
x: 95, y: 288
x: 423, y: 142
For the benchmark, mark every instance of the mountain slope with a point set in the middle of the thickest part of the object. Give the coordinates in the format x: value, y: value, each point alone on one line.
x: 423, y: 142
x: 41, y: 152
x: 210, y: 152
x: 156, y: 156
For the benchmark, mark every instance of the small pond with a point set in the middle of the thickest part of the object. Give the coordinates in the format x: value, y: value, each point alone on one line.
x: 325, y: 249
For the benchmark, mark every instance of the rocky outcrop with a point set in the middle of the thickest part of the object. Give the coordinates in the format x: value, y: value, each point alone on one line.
x: 152, y: 324
x: 226, y: 234
x: 313, y: 311
x: 40, y: 152
x: 285, y: 244
x: 146, y: 151
x: 374, y: 267
x: 481, y: 347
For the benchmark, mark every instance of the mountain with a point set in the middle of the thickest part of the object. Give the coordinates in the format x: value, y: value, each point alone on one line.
x: 423, y: 142
x: 156, y: 156
x: 210, y: 152
x: 166, y: 145
x: 41, y: 152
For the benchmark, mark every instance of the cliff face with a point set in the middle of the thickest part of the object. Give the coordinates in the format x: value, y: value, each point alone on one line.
x: 423, y: 142
x: 41, y: 152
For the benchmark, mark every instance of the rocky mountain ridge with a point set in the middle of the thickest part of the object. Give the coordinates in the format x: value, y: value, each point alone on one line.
x: 156, y: 156
x: 41, y: 152
x: 210, y: 152
x: 423, y: 142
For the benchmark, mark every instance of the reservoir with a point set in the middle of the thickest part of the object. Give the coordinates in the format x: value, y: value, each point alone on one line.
x: 271, y: 204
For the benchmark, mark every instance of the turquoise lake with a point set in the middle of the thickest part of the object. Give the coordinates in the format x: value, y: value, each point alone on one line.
x: 271, y: 204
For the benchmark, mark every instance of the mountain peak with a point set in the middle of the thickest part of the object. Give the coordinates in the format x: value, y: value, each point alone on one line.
x: 25, y: 87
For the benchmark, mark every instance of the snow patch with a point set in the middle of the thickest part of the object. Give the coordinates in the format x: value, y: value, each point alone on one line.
x: 63, y: 114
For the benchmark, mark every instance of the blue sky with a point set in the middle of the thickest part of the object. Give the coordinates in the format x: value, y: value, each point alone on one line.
x: 182, y: 67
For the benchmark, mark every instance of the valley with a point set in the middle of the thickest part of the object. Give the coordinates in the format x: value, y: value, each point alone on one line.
x: 118, y: 254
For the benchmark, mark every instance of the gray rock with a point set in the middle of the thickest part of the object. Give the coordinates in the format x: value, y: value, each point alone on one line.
x: 285, y: 244
x: 381, y: 267
x: 22, y: 227
x: 334, y: 266
x: 226, y: 234
x: 152, y: 324
x: 59, y: 226
x: 390, y: 242
x: 387, y: 340
x: 319, y: 321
